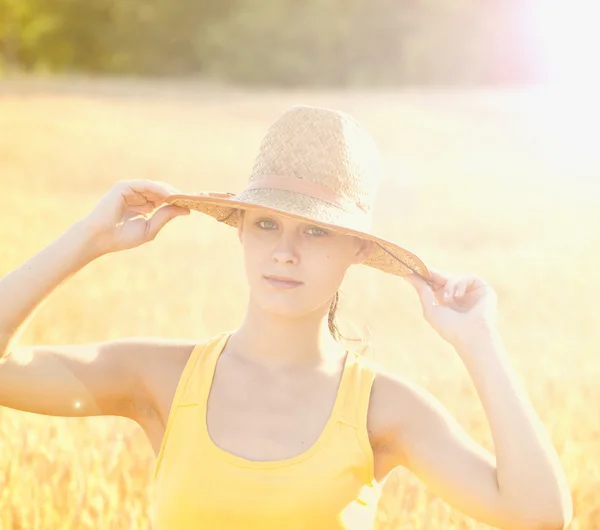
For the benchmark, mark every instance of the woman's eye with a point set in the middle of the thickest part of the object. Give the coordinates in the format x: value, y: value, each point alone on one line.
x: 265, y: 224
x: 316, y: 231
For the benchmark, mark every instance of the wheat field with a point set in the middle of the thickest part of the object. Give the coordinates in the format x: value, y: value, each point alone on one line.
x: 502, y: 183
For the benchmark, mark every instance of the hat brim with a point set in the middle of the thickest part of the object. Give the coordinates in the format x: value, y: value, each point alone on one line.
x: 224, y: 207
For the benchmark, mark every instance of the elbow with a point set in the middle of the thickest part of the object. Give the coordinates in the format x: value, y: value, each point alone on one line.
x: 545, y: 512
x: 538, y: 524
x: 561, y: 522
x: 555, y: 522
x: 557, y: 519
x: 562, y: 516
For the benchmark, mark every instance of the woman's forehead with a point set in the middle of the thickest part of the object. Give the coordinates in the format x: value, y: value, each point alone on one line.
x: 254, y: 214
x: 275, y: 216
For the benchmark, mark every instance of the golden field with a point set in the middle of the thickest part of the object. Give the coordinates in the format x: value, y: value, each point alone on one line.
x: 500, y: 183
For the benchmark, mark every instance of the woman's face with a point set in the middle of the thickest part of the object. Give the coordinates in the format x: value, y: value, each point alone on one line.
x: 316, y: 258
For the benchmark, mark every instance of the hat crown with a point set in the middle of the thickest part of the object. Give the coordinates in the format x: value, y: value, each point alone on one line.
x: 316, y: 164
x: 323, y: 146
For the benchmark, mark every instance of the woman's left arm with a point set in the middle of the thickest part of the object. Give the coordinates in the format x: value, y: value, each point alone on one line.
x: 528, y: 470
x: 527, y: 477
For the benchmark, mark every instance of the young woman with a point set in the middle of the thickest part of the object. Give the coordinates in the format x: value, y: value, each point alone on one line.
x: 275, y: 424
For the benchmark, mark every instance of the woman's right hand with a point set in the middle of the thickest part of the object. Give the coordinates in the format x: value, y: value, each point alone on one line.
x: 131, y: 213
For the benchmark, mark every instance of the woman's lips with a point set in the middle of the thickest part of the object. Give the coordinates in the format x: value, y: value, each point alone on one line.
x: 282, y: 284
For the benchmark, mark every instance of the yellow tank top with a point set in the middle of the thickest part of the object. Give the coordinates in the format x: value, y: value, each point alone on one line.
x: 329, y: 486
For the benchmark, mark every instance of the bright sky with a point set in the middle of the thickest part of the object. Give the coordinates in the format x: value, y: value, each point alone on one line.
x: 567, y: 39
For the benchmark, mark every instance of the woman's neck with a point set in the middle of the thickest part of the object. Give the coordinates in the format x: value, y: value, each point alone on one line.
x: 272, y: 340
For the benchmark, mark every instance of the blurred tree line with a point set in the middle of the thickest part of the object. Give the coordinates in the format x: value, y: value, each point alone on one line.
x: 285, y: 42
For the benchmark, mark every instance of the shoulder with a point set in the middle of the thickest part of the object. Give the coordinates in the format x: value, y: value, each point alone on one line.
x: 152, y: 363
x: 148, y: 355
x: 397, y: 406
x: 156, y: 364
x: 160, y: 359
x: 153, y: 355
x: 145, y: 354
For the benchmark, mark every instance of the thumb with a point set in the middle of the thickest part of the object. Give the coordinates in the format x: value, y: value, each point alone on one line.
x: 161, y: 217
x: 426, y: 294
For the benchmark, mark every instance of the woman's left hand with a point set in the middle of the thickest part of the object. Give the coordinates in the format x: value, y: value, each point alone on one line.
x: 459, y: 307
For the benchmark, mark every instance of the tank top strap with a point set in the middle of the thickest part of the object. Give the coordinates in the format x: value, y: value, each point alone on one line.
x: 189, y: 387
x: 355, y: 405
x: 199, y: 370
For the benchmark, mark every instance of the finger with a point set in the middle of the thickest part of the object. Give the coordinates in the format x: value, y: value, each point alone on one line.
x: 461, y: 289
x: 149, y: 190
x: 417, y: 282
x: 149, y: 185
x: 465, y: 285
x: 450, y: 288
x: 167, y: 186
x: 426, y: 295
x: 439, y: 277
x: 143, y: 209
x: 161, y: 217
x: 129, y: 215
x: 136, y: 196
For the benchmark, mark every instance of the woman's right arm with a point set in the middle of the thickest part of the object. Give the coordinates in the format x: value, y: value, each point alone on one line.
x: 95, y: 379
x: 88, y: 379
x: 23, y: 291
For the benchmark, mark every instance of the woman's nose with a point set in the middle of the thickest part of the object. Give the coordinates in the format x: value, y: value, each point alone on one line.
x: 286, y: 250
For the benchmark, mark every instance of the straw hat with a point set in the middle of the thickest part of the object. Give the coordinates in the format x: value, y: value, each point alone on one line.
x: 319, y: 165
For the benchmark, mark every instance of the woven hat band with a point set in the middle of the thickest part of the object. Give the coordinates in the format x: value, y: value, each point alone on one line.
x: 305, y: 187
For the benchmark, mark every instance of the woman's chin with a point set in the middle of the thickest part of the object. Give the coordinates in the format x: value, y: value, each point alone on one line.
x: 287, y: 303
x: 281, y: 309
x: 283, y: 305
